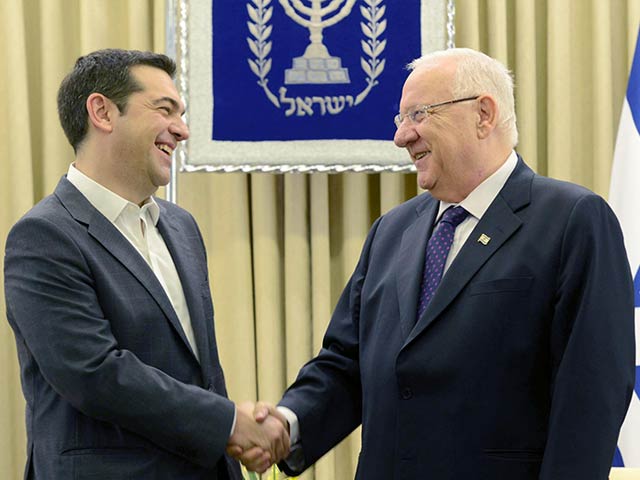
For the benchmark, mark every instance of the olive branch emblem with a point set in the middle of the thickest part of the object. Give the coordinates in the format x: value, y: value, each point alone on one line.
x: 373, y: 47
x: 260, y: 45
x: 373, y: 26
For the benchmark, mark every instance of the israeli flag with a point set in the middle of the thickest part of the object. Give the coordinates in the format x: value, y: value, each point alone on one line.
x: 624, y: 198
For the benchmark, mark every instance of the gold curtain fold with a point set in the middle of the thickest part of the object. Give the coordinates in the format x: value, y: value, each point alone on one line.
x: 16, y: 194
x: 282, y: 247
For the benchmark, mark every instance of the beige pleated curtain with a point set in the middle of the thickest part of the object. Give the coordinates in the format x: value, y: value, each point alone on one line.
x: 281, y: 247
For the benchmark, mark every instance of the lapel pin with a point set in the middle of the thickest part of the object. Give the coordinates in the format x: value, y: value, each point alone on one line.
x: 484, y: 239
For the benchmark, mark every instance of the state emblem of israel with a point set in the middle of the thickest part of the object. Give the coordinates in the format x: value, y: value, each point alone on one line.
x: 299, y: 85
x: 313, y: 63
x: 290, y: 70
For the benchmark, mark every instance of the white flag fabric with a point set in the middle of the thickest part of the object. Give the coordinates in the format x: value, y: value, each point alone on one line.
x: 624, y: 198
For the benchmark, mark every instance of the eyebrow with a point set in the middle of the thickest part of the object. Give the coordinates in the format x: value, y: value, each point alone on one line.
x: 174, y: 103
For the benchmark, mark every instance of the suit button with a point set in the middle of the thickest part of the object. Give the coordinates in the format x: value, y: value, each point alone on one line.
x: 407, y: 393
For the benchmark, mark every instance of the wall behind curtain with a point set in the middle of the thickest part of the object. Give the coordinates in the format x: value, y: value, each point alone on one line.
x: 281, y: 247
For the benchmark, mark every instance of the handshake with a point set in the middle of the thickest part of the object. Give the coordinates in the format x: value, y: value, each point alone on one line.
x: 260, y: 437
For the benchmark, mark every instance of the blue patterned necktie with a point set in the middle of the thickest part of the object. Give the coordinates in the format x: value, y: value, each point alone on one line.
x: 437, y: 251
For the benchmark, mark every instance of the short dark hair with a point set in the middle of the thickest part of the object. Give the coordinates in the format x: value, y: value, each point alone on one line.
x: 106, y: 72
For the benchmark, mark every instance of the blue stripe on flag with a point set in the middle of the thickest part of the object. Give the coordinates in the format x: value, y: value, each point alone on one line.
x: 617, y: 459
x: 633, y: 90
x: 636, y: 288
x: 624, y: 199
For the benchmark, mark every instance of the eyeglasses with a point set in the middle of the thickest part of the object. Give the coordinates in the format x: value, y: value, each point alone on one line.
x: 420, y: 112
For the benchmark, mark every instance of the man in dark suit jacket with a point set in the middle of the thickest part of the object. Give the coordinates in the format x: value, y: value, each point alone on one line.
x: 522, y: 364
x: 107, y: 292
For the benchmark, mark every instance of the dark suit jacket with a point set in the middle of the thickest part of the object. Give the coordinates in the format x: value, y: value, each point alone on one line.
x: 113, y: 389
x: 522, y: 365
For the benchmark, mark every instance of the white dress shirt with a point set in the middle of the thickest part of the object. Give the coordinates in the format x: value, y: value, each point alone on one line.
x: 476, y: 203
x: 138, y: 225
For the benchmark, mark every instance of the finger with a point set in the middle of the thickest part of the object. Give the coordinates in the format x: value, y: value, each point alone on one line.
x: 278, y: 414
x: 260, y: 463
x: 287, y: 445
x: 263, y: 467
x: 234, y: 451
x: 255, y: 455
x: 261, y: 411
x: 286, y: 441
x: 281, y: 442
x: 280, y: 448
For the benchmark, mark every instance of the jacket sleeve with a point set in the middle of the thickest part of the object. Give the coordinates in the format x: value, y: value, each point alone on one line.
x: 592, y: 346
x: 327, y: 394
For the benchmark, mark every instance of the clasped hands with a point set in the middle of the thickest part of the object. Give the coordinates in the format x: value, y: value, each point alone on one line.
x: 260, y: 437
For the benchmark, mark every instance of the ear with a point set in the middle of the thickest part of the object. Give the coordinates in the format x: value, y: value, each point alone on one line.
x: 487, y: 116
x: 101, y: 112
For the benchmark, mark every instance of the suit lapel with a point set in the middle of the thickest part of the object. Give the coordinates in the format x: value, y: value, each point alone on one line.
x: 191, y: 277
x: 119, y: 247
x: 498, y: 223
x: 411, y: 262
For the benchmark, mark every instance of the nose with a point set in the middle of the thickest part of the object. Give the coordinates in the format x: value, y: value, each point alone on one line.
x: 405, y: 134
x: 179, y: 129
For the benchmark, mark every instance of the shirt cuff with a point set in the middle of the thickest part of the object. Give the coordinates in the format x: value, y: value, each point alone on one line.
x: 233, y: 424
x: 295, y: 460
x: 294, y: 428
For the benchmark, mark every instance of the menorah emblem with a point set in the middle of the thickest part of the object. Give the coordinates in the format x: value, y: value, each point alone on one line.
x: 316, y: 65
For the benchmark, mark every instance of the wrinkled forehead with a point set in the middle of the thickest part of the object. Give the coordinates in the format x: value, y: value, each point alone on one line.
x: 430, y: 82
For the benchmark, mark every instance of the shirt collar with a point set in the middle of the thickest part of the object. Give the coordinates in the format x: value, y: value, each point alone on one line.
x: 108, y: 203
x: 478, y: 201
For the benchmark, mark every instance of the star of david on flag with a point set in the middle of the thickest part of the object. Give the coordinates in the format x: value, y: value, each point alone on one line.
x: 624, y: 198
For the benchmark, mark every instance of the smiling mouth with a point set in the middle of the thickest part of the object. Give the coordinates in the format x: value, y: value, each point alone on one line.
x: 421, y: 155
x: 165, y: 148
